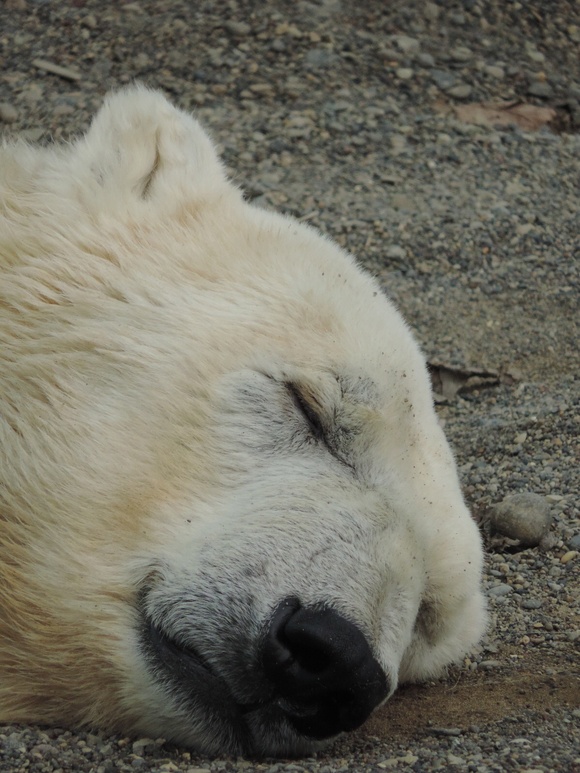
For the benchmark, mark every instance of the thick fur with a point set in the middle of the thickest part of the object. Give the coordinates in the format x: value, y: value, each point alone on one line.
x: 154, y: 463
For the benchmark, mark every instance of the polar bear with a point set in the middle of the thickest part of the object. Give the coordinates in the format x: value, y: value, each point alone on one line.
x: 228, y: 514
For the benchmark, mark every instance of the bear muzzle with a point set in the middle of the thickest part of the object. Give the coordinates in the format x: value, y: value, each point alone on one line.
x: 325, y: 676
x: 321, y: 675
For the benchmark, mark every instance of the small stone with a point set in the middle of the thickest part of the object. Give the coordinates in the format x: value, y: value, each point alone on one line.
x: 531, y: 604
x: 443, y: 80
x: 495, y: 72
x: 489, y: 665
x: 404, y: 73
x: 431, y: 11
x: 425, y: 60
x: 238, y: 28
x: 89, y: 21
x: 500, y: 590
x: 461, y: 54
x: 446, y: 731
x: 320, y: 57
x: 541, y: 89
x: 8, y: 113
x: 461, y: 91
x: 454, y: 760
x: 526, y: 517
x: 406, y: 44
x: 395, y: 252
x: 55, y: 69
x: 568, y: 556
x: 143, y: 745
x: 403, y: 202
x: 534, y: 54
x: 574, y: 543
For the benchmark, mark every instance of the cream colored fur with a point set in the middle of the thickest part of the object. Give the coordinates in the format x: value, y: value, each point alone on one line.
x: 149, y: 319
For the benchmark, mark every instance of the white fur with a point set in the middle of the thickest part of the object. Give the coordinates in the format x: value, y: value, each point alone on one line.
x: 149, y: 320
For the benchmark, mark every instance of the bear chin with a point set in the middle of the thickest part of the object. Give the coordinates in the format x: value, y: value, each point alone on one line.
x: 229, y: 516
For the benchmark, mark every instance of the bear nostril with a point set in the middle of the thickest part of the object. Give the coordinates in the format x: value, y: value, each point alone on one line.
x: 322, y: 668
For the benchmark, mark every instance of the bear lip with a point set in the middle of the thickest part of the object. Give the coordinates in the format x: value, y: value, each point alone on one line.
x: 189, y: 674
x: 169, y: 651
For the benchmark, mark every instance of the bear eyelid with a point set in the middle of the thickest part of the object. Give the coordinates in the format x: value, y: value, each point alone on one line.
x: 305, y: 407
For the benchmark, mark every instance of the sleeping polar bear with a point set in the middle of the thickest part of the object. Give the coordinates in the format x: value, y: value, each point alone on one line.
x: 228, y: 514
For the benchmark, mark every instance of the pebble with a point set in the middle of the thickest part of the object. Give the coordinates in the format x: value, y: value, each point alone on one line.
x: 404, y: 73
x: 448, y: 731
x: 461, y: 91
x: 540, y: 89
x: 55, y: 69
x: 443, y: 80
x: 238, y: 28
x: 500, y: 590
x: 8, y: 113
x: 395, y: 252
x: 490, y: 665
x: 406, y: 44
x: 574, y: 542
x: 532, y: 603
x: 425, y: 60
x: 460, y: 54
x: 534, y: 54
x: 525, y: 517
x: 494, y: 72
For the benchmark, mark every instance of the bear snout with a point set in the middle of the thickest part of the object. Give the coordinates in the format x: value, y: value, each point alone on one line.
x: 322, y: 668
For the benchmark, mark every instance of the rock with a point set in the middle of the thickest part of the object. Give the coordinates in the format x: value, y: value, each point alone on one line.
x: 431, y: 11
x: 407, y: 45
x: 460, y: 54
x: 238, y: 28
x: 143, y: 745
x: 320, y: 58
x: 395, y: 252
x: 531, y: 604
x: 55, y: 69
x: 500, y: 590
x: 494, y: 72
x: 534, y: 54
x: 443, y: 80
x: 446, y: 731
x: 425, y: 60
x: 525, y: 517
x: 404, y: 73
x: 574, y: 543
x: 461, y: 91
x: 540, y: 89
x: 8, y: 113
x: 490, y: 665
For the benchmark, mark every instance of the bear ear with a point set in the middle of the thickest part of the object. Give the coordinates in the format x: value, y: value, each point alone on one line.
x: 140, y: 146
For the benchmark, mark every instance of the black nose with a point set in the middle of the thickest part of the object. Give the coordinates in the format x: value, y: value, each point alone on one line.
x: 323, y: 670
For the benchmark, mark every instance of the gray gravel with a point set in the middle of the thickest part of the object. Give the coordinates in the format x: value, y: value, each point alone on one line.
x: 345, y: 115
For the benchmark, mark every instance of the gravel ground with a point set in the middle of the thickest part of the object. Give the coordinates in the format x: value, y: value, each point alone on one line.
x: 346, y: 114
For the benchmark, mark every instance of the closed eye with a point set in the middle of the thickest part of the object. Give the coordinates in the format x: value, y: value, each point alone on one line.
x: 318, y: 431
x: 312, y: 418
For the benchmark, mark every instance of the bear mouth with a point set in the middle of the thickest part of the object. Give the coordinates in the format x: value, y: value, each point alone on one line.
x: 196, y: 686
